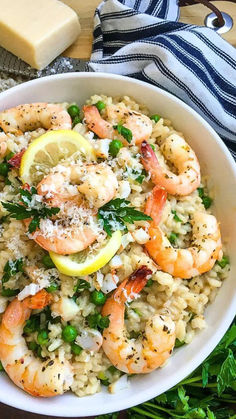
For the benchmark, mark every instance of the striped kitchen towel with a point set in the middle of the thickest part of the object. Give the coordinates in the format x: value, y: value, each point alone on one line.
x: 142, y: 39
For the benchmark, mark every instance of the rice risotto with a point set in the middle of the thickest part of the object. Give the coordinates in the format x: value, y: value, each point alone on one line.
x: 26, y: 268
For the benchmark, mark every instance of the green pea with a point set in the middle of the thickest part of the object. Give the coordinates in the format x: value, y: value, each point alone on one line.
x: 152, y: 146
x: 4, y: 169
x: 114, y: 147
x: 155, y: 117
x: 52, y: 287
x: 1, y: 367
x: 223, y: 262
x: 73, y: 111
x: 7, y: 292
x: 173, y: 238
x: 98, y: 298
x: 76, y: 349
x: 69, y: 333
x: 47, y: 261
x: 103, y: 322
x: 42, y: 337
x: 32, y: 346
x: 207, y: 201
x: 76, y: 121
x: 100, y: 105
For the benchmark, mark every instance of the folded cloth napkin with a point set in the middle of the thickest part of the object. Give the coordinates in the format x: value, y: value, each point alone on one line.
x: 142, y: 39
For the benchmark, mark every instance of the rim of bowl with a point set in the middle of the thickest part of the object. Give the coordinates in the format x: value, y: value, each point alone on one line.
x: 214, y: 338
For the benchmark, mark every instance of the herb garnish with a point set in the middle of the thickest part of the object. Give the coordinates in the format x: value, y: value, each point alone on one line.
x: 176, y: 217
x: 21, y: 212
x: 11, y: 268
x: 81, y: 286
x: 125, y: 132
x: 116, y: 213
x: 207, y: 393
x: 206, y: 200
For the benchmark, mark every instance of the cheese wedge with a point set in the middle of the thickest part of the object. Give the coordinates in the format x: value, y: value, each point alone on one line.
x: 37, y: 31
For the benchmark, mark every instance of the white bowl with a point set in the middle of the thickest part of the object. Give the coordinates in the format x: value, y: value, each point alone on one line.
x: 217, y: 162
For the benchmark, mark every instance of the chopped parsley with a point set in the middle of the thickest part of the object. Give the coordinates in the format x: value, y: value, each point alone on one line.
x: 206, y: 200
x: 173, y: 238
x: 176, y: 217
x: 81, y: 286
x: 21, y: 212
x: 223, y: 262
x: 11, y: 268
x: 125, y: 132
x: 115, y: 214
x: 141, y: 176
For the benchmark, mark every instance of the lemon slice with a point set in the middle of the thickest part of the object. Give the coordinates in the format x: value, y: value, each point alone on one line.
x: 83, y: 263
x: 48, y: 150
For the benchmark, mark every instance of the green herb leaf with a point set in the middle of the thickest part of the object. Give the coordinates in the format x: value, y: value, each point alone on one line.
x: 116, y: 213
x: 125, y: 132
x: 21, y: 212
x: 183, y: 398
x: 179, y: 343
x: 223, y: 262
x: 205, y: 369
x: 227, y: 373
x: 176, y: 217
x: 210, y: 414
x: 81, y: 286
x: 173, y: 238
x: 11, y: 268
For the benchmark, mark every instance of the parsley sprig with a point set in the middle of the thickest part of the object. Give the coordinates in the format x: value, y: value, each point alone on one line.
x: 21, y: 212
x: 115, y: 214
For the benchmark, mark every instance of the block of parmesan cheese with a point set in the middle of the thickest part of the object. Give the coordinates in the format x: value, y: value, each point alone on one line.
x: 37, y: 31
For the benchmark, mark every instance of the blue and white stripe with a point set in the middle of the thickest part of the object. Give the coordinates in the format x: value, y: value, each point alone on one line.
x: 142, y: 39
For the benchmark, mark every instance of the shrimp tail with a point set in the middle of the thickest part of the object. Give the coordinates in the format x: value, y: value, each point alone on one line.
x: 39, y: 300
x: 148, y: 156
x: 155, y: 204
x: 96, y: 123
x: 132, y: 285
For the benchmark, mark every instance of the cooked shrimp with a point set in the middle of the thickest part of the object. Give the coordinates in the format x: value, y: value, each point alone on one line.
x: 31, y: 116
x: 96, y: 182
x: 3, y: 144
x: 36, y: 377
x: 96, y: 123
x: 155, y: 344
x: 184, y: 263
x: 181, y: 155
x: 140, y: 125
x: 98, y: 185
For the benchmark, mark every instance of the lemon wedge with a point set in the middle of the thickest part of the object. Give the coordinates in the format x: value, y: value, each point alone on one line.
x: 83, y: 263
x: 48, y: 150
